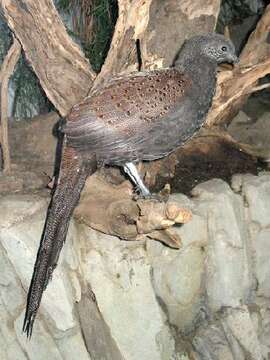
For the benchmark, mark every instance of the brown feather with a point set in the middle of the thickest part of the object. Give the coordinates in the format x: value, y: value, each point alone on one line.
x: 73, y: 173
x: 110, y: 121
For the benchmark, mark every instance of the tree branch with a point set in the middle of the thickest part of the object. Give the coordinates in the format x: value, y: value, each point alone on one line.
x: 235, y: 86
x: 7, y: 70
x: 260, y: 87
x: 62, y: 69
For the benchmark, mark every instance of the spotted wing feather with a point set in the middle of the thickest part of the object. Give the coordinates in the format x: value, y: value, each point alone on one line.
x: 113, y: 121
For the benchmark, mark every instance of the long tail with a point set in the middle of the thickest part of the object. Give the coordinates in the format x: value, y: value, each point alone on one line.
x: 71, y: 179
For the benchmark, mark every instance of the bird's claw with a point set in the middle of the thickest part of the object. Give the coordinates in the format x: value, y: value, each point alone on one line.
x: 162, y: 196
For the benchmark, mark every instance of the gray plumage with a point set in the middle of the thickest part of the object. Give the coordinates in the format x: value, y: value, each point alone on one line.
x: 145, y: 116
x: 140, y: 116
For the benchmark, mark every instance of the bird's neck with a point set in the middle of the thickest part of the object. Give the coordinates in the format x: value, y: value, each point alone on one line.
x: 203, y: 74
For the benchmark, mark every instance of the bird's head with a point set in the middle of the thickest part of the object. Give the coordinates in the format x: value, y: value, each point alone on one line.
x: 214, y: 47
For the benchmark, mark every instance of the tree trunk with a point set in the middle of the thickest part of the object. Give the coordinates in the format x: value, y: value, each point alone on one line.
x: 62, y: 69
x: 158, y: 29
x: 6, y: 72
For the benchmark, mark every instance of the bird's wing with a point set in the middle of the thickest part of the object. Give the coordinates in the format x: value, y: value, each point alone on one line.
x: 109, y: 119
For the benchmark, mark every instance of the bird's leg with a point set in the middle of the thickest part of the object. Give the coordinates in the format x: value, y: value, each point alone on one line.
x: 131, y: 170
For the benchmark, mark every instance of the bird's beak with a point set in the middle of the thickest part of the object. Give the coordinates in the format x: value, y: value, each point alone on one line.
x: 231, y: 62
x: 234, y: 60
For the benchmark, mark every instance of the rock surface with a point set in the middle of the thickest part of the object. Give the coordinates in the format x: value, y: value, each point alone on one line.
x: 112, y: 299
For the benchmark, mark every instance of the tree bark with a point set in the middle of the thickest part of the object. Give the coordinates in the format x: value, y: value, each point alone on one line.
x: 158, y: 28
x: 111, y: 210
x: 7, y: 70
x: 235, y: 86
x: 62, y: 69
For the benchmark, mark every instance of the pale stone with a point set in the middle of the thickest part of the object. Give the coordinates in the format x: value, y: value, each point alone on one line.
x: 73, y: 347
x: 210, y: 343
x: 228, y: 273
x: 16, y: 208
x: 21, y: 246
x: 9, y: 346
x: 256, y: 191
x: 194, y: 232
x: 182, y: 200
x: 177, y: 281
x: 41, y: 345
x: 264, y: 331
x: 126, y: 298
x: 239, y: 323
x: 135, y: 299
x: 262, y: 262
x: 11, y: 292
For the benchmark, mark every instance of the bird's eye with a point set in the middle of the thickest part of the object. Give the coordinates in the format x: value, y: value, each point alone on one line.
x: 224, y: 48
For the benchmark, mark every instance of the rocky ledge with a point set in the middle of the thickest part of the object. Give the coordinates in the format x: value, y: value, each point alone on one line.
x: 112, y: 299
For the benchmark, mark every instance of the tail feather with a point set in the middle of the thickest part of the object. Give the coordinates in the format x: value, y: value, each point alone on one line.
x: 72, y: 177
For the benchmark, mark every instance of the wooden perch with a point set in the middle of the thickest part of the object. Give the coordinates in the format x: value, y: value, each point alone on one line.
x: 62, y: 69
x: 7, y: 70
x: 111, y: 209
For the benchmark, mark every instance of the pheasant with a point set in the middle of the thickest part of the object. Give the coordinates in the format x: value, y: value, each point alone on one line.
x: 141, y: 116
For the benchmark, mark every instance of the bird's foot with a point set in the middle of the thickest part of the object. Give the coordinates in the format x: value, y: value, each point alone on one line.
x: 142, y: 191
x: 162, y: 196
